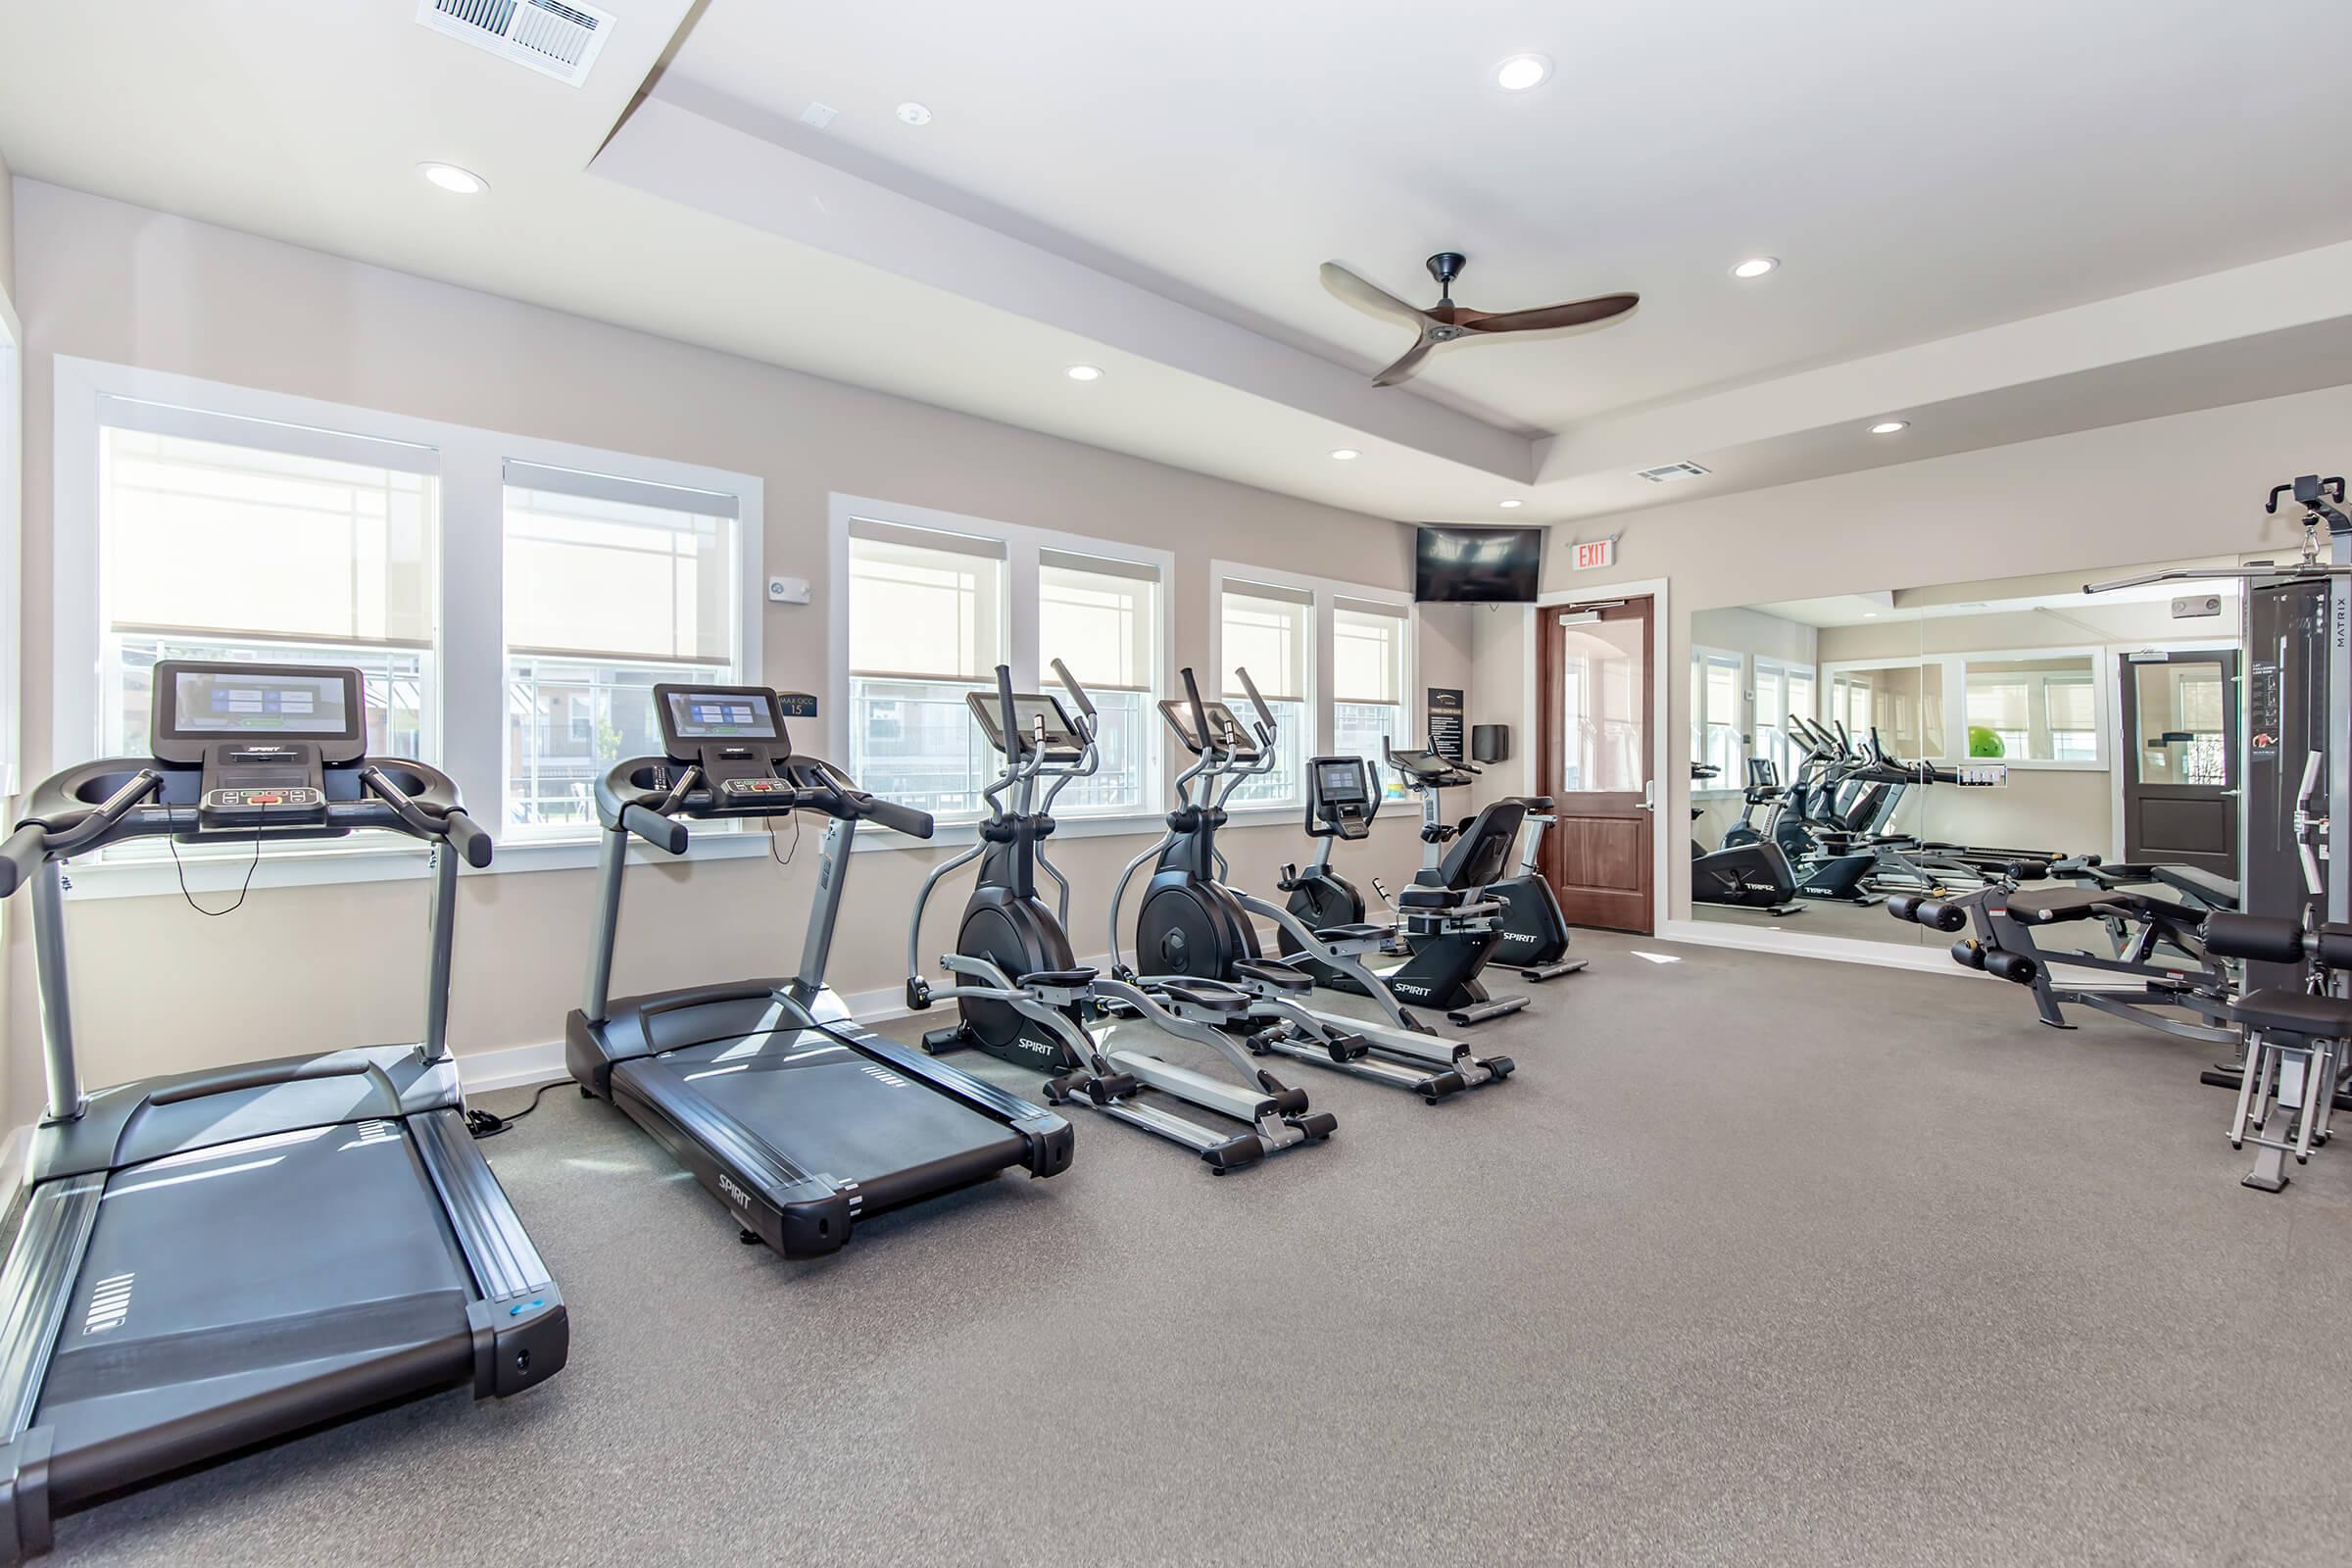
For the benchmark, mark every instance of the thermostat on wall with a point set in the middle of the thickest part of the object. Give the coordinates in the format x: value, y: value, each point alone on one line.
x: 787, y: 590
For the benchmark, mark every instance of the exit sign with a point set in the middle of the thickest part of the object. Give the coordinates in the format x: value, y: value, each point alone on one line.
x: 1599, y: 553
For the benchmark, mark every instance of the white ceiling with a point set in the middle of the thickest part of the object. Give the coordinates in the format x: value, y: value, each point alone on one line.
x: 1998, y: 220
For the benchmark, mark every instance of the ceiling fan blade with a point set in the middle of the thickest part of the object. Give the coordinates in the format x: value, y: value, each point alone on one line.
x: 1580, y: 314
x: 1366, y: 296
x: 1404, y: 368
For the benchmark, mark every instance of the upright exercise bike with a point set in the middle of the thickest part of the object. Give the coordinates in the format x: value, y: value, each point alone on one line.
x: 1024, y: 998
x: 1452, y: 914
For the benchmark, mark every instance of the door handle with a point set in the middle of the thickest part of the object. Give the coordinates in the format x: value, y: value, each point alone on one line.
x: 2228, y: 795
x: 1650, y: 793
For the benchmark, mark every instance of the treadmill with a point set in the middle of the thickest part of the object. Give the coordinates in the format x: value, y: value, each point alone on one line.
x: 213, y: 1260
x: 795, y: 1117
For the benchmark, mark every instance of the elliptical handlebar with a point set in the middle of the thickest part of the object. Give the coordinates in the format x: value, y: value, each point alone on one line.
x: 1265, y: 714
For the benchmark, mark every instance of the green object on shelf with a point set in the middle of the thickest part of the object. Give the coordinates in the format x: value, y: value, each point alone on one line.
x: 1982, y: 742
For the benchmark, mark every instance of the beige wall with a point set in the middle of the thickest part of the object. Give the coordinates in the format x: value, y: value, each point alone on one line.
x: 8, y: 293
x: 112, y: 283
x: 2187, y: 486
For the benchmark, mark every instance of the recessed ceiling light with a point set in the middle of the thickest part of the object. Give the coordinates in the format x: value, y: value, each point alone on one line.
x: 450, y: 177
x: 1510, y: 503
x: 1084, y: 373
x: 1522, y: 71
x: 1345, y: 453
x: 914, y: 113
x: 1870, y: 615
x: 1755, y: 266
x: 1889, y: 426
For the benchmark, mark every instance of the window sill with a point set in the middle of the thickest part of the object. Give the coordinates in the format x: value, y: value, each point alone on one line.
x: 211, y: 875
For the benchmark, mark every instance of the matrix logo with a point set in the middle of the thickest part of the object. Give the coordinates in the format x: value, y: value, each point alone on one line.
x: 735, y: 1194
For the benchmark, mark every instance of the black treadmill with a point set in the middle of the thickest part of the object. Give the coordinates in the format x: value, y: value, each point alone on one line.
x: 796, y: 1117
x: 213, y: 1260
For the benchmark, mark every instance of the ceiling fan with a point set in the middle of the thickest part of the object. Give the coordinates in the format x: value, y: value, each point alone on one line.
x: 1446, y: 321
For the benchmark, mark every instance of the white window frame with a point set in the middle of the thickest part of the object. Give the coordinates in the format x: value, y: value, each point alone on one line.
x: 471, y: 655
x: 1743, y: 702
x: 1326, y: 591
x: 12, y: 554
x: 1789, y: 671
x: 1954, y: 668
x: 1022, y: 546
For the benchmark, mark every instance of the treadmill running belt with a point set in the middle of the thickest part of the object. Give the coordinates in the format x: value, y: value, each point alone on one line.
x: 829, y: 1109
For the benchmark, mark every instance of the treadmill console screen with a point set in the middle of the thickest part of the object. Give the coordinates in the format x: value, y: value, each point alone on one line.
x: 230, y: 701
x: 726, y: 714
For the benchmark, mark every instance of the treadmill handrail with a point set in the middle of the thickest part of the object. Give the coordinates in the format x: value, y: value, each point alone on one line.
x: 816, y: 786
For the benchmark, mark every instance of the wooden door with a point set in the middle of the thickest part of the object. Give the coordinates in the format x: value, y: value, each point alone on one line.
x: 1594, y: 744
x: 2181, y: 764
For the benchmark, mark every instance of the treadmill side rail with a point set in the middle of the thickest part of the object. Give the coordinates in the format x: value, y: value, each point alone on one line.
x: 34, y: 1290
x: 522, y: 1332
x: 1049, y: 1135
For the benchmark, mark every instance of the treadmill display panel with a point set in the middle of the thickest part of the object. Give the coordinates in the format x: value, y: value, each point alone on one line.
x: 220, y: 701
x: 719, y: 715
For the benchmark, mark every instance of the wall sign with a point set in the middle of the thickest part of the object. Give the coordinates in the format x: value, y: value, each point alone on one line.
x: 1597, y: 554
x: 1446, y: 721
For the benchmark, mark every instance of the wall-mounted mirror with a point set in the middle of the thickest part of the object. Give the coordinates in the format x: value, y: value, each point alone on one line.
x: 1848, y: 748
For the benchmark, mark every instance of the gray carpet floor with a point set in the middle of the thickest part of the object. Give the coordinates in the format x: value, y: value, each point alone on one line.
x: 1758, y: 1260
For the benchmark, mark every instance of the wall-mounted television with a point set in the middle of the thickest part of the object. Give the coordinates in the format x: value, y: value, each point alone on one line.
x: 1478, y: 565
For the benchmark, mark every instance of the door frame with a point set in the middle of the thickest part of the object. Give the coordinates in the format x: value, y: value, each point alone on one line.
x: 1664, y: 792
x: 2115, y: 727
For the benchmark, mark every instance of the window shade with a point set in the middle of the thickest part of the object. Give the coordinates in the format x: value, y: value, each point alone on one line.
x: 207, y: 537
x: 1265, y: 632
x: 600, y: 577
x: 1097, y: 616
x: 2072, y: 704
x: 923, y: 605
x: 1368, y: 652
x: 1999, y: 705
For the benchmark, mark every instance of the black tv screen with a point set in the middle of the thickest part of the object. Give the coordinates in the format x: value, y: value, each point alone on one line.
x: 1478, y: 565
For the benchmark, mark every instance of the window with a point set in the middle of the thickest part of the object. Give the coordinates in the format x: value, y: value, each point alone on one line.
x: 1101, y: 617
x: 508, y: 601
x: 340, y: 570
x: 1782, y: 690
x: 611, y: 585
x: 936, y: 602
x: 1903, y: 703
x: 1269, y: 630
x: 1715, y: 734
x: 1369, y: 679
x: 2034, y: 708
x: 926, y: 626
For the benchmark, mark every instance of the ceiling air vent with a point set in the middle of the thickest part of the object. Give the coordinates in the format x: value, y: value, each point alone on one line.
x: 549, y: 36
x: 1671, y: 473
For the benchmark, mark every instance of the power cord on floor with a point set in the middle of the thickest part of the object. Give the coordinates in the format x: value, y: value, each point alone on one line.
x: 482, y: 1124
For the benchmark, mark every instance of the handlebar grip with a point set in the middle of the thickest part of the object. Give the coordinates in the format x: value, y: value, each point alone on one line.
x: 1265, y: 714
x: 897, y: 818
x: 665, y: 833
x: 21, y: 855
x: 468, y: 838
x: 1013, y: 739
x: 1061, y: 673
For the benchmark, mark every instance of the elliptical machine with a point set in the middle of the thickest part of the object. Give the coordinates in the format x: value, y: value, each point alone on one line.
x: 1191, y: 924
x: 1024, y: 998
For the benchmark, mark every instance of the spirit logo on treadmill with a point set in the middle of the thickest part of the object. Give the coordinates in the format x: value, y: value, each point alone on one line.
x: 734, y: 1194
x: 1408, y: 988
x: 110, y: 1303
